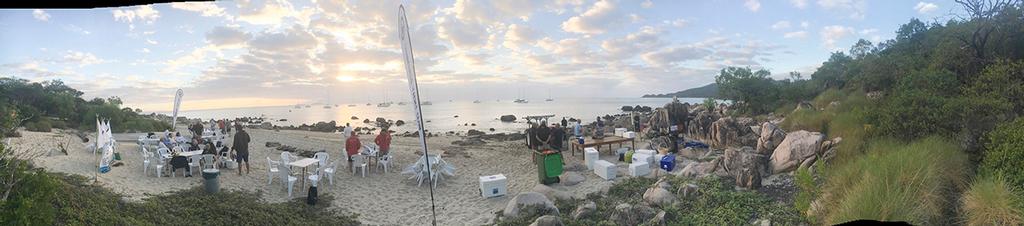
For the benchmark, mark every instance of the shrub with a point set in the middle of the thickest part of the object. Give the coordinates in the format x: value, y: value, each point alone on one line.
x: 826, y: 98
x: 1004, y: 155
x: 40, y: 126
x: 991, y: 201
x: 807, y: 189
x: 896, y: 182
x: 807, y: 119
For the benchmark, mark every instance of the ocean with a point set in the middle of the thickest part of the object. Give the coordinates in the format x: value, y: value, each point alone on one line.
x: 441, y: 116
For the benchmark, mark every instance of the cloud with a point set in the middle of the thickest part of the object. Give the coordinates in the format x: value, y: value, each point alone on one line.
x: 462, y: 34
x: 207, y: 9
x: 80, y: 58
x: 40, y: 15
x: 801, y: 4
x: 269, y: 12
x: 144, y: 13
x: 646, y: 4
x: 795, y: 34
x: 853, y: 9
x: 152, y: 42
x: 221, y: 35
x: 484, y: 11
x: 780, y: 25
x: 678, y: 23
x: 925, y: 7
x: 675, y: 55
x: 832, y: 34
x: 518, y: 36
x: 647, y: 39
x: 805, y: 24
x: 752, y: 5
x: 598, y: 19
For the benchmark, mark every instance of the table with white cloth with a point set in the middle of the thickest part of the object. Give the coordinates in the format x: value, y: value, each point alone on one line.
x: 190, y: 153
x: 304, y: 163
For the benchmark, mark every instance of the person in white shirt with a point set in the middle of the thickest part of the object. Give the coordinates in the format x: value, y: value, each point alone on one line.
x: 347, y: 132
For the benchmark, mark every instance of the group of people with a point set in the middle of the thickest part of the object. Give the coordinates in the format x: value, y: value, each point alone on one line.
x: 544, y: 137
x: 176, y: 143
x: 353, y: 145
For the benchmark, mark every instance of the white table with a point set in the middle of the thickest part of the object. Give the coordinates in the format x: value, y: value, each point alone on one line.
x: 304, y: 163
x: 191, y: 153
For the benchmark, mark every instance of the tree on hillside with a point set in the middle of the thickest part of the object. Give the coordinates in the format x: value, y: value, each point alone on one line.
x: 753, y: 91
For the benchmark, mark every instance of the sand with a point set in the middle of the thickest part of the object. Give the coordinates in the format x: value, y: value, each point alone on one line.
x: 379, y: 198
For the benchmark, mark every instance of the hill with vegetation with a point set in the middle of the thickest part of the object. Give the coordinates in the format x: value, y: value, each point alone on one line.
x: 706, y: 91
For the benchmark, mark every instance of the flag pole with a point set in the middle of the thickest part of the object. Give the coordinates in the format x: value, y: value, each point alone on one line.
x: 410, y: 71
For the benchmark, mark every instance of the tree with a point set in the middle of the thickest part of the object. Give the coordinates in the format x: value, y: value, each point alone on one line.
x: 753, y: 91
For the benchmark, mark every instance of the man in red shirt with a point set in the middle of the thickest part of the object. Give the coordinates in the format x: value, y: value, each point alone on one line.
x: 352, y: 145
x: 383, y: 141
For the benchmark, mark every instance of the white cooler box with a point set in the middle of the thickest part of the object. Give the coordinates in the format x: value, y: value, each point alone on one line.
x: 604, y: 169
x: 647, y: 152
x: 493, y: 185
x: 629, y: 134
x: 644, y: 158
x: 620, y: 131
x: 638, y: 169
x: 590, y: 155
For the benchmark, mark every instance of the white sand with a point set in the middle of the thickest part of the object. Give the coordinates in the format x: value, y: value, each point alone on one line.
x: 379, y: 199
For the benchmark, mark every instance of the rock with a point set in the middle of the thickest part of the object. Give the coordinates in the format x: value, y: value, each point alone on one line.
x: 551, y: 193
x: 529, y: 200
x: 730, y: 131
x: 626, y: 214
x: 354, y: 118
x: 689, y: 191
x: 585, y: 210
x: 626, y: 108
x: 456, y: 116
x: 770, y: 137
x: 693, y: 153
x: 273, y: 144
x: 663, y: 183
x: 658, y: 196
x: 508, y: 118
x: 658, y: 219
x: 571, y: 178
x: 808, y: 162
x: 491, y: 129
x: 366, y: 120
x: 547, y: 220
x: 266, y: 125
x: 469, y: 141
x: 474, y: 132
x: 700, y: 169
x: 803, y: 105
x: 797, y: 147
x: 575, y: 166
x: 399, y: 123
x: 745, y: 165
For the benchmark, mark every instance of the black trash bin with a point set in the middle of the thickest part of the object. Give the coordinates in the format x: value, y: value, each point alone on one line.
x: 210, y: 181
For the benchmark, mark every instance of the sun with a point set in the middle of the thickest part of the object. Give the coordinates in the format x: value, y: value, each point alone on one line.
x: 345, y: 78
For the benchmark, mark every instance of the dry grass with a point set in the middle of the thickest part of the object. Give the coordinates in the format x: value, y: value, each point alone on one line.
x: 991, y: 201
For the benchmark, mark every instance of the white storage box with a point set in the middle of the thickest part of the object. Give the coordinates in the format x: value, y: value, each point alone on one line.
x: 647, y: 152
x: 644, y: 158
x: 620, y: 131
x: 604, y: 169
x: 589, y: 156
x: 493, y: 185
x: 638, y: 169
x: 629, y: 134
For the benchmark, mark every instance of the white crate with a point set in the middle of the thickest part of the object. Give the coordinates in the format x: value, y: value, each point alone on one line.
x: 638, y: 169
x: 644, y: 158
x: 589, y: 156
x: 620, y: 131
x: 629, y: 134
x: 605, y: 169
x: 647, y: 152
x: 493, y: 185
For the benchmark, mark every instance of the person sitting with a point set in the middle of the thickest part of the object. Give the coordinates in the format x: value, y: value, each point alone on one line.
x: 179, y: 139
x: 352, y: 146
x: 179, y: 161
x: 167, y: 143
x: 383, y: 141
x: 150, y: 135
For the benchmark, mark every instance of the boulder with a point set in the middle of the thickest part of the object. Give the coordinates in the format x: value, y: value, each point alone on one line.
x: 699, y: 169
x: 547, y: 220
x: 585, y: 210
x: 571, y: 178
x: 399, y: 123
x: 273, y: 144
x: 524, y: 200
x: 575, y: 166
x: 770, y: 138
x: 474, y: 132
x: 693, y: 153
x: 658, y: 219
x: 729, y: 131
x: 508, y: 118
x: 626, y: 214
x: 551, y: 193
x: 689, y: 191
x: 626, y: 108
x: 745, y: 165
x: 659, y: 196
x: 797, y: 147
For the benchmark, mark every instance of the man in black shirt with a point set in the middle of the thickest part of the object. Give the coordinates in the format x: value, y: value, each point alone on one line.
x: 543, y: 134
x: 557, y: 136
x: 241, y: 147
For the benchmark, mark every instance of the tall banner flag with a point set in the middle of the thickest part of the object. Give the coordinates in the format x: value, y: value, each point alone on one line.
x: 410, y: 72
x: 177, y: 104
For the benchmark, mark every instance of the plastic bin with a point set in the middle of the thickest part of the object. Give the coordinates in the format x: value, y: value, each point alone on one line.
x: 549, y: 166
x: 210, y: 181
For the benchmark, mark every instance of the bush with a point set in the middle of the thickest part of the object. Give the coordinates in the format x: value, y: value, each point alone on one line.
x: 1004, y: 155
x: 897, y: 182
x: 992, y: 201
x: 40, y: 126
x: 807, y: 119
x: 826, y: 98
x: 807, y: 189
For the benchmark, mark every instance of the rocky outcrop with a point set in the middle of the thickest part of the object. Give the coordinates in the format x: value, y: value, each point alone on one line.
x: 770, y: 138
x: 508, y: 118
x: 745, y: 165
x: 659, y: 196
x: 731, y: 132
x: 700, y: 169
x: 571, y: 178
x: 525, y: 200
x: 627, y: 214
x: 547, y: 220
x: 795, y: 149
x: 700, y: 124
x: 474, y: 132
x: 552, y: 193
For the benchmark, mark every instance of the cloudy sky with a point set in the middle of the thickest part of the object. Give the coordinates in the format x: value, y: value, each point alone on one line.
x: 271, y: 53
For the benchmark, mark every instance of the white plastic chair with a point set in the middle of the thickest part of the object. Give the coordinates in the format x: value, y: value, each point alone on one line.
x: 146, y: 155
x: 287, y: 178
x: 287, y: 157
x: 162, y: 156
x: 359, y: 161
x: 193, y: 161
x: 208, y: 161
x: 384, y: 162
x: 322, y: 157
x: 225, y: 157
x: 271, y: 169
x: 329, y: 171
x: 314, y: 177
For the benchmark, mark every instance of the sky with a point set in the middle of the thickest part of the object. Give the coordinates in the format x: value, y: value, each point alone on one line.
x: 272, y: 53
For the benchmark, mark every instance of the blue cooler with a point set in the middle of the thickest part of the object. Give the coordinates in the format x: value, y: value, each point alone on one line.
x: 668, y: 162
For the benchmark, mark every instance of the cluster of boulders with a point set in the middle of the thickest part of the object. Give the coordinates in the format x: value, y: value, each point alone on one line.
x: 539, y: 201
x: 286, y: 148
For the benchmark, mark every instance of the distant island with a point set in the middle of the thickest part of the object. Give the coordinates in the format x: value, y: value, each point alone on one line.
x: 707, y: 91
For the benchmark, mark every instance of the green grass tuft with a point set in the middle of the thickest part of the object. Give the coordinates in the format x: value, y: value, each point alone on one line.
x: 992, y: 201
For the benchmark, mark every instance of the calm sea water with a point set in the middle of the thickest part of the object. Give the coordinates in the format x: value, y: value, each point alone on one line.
x: 441, y: 115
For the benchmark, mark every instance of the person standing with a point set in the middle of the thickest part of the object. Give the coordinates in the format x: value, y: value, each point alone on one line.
x: 346, y: 132
x: 565, y: 124
x: 241, y: 147
x: 383, y: 141
x: 352, y: 145
x: 557, y: 136
x: 544, y: 136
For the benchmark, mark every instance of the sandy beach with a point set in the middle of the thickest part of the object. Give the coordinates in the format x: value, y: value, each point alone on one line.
x: 379, y: 198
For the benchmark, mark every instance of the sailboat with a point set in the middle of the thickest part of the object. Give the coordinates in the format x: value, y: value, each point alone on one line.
x: 549, y: 97
x: 385, y: 103
x: 328, y: 104
x: 476, y: 101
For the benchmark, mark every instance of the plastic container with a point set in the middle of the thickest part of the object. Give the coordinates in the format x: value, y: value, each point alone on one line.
x: 668, y: 162
x: 493, y: 185
x: 552, y: 160
x: 210, y: 181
